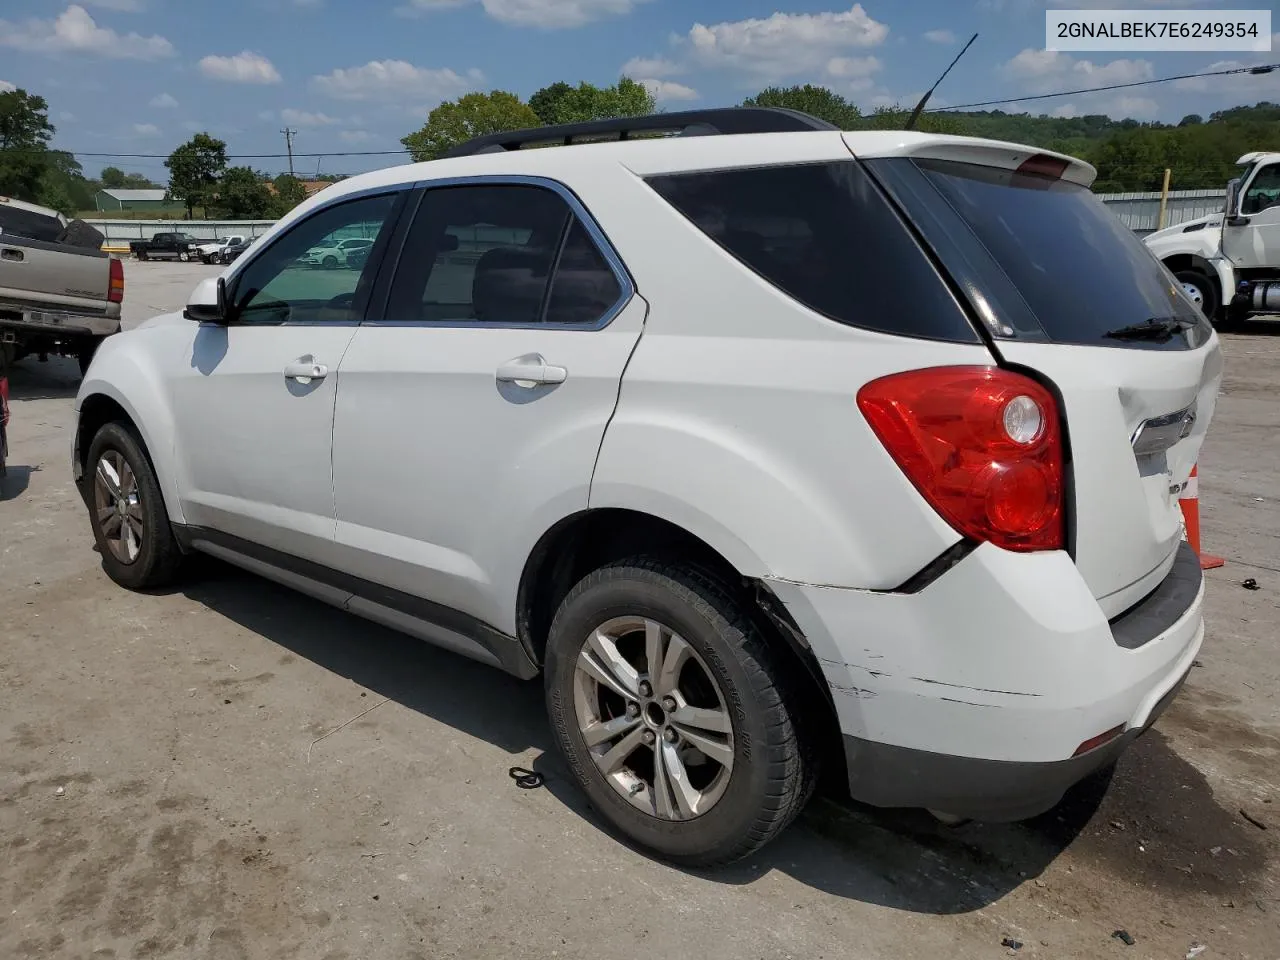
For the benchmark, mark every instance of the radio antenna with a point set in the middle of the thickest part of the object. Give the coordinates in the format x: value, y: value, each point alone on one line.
x: 915, y: 114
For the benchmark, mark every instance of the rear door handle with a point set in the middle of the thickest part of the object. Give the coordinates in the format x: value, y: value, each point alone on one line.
x: 530, y: 371
x: 304, y: 371
x: 12, y: 255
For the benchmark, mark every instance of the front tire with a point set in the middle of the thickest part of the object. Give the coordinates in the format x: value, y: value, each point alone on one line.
x: 676, y: 715
x: 1202, y: 290
x: 330, y: 263
x: 183, y: 256
x: 127, y: 511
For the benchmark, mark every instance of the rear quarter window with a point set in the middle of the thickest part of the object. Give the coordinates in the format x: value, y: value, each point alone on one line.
x: 825, y: 235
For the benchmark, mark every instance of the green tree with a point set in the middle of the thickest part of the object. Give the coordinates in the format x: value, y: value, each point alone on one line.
x: 243, y: 195
x: 113, y: 178
x: 561, y: 103
x: 474, y: 115
x: 25, y: 132
x: 289, y: 193
x: 816, y: 101
x: 63, y: 186
x: 194, y: 169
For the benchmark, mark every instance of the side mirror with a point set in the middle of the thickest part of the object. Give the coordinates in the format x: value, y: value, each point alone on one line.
x: 208, y: 302
x: 1233, y: 199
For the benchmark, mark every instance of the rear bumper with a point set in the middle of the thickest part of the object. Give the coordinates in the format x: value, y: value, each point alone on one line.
x: 973, y: 695
x: 997, y: 791
x: 59, y: 325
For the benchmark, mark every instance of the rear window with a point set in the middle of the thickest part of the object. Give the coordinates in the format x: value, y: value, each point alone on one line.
x: 1077, y: 267
x: 825, y: 235
x: 16, y: 221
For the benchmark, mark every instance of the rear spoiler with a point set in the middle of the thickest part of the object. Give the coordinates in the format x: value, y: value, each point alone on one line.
x: 986, y: 153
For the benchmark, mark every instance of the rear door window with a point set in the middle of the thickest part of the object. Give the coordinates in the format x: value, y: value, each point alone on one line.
x: 18, y: 222
x: 1083, y: 274
x: 824, y: 234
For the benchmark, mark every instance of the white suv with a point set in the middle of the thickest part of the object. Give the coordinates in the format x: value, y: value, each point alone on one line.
x: 753, y: 443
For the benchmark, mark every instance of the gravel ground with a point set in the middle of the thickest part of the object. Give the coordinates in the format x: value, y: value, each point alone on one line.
x: 230, y: 770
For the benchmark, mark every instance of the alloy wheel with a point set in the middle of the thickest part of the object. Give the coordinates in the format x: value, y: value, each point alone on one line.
x: 653, y: 718
x: 118, y: 506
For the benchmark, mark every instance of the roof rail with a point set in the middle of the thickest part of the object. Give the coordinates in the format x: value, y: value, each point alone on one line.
x: 686, y: 123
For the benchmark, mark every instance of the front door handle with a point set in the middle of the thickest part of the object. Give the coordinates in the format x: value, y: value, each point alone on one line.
x: 531, y: 371
x: 304, y: 370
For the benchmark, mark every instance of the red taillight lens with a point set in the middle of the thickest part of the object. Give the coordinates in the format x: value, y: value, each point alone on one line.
x: 981, y: 444
x: 115, y: 293
x: 1044, y: 166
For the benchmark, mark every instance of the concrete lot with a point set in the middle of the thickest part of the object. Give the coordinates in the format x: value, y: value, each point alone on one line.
x: 164, y: 791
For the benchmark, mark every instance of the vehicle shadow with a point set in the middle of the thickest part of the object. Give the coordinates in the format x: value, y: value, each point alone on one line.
x: 58, y: 378
x: 14, y: 482
x: 901, y: 859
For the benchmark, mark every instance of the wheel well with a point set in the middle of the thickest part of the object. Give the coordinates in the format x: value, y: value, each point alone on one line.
x: 1189, y: 261
x: 96, y: 411
x: 587, y: 541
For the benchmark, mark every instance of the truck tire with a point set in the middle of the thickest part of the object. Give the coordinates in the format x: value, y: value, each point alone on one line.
x: 1203, y: 291
x: 142, y: 254
x: 183, y: 256
x: 706, y: 755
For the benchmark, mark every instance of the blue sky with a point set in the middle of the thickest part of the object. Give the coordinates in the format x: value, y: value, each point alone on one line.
x: 139, y: 76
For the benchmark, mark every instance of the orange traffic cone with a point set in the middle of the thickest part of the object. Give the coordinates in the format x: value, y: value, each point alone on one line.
x: 1190, y: 504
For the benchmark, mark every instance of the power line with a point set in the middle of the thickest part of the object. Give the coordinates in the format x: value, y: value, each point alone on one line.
x: 1260, y: 69
x: 1256, y: 70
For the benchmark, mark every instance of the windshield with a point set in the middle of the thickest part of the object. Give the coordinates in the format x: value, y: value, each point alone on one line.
x: 1079, y: 270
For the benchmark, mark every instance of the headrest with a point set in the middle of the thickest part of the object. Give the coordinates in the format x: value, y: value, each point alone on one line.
x: 508, y: 285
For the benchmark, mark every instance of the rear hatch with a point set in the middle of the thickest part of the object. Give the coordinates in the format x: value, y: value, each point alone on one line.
x: 1069, y: 295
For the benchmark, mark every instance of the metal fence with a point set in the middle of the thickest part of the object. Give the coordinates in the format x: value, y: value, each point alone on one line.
x: 1139, y: 212
x: 120, y: 233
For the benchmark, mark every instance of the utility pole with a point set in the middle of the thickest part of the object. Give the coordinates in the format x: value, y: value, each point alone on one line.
x: 288, y: 142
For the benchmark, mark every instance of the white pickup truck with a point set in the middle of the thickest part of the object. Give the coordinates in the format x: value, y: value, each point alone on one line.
x: 1229, y: 263
x: 212, y: 251
x: 58, y: 294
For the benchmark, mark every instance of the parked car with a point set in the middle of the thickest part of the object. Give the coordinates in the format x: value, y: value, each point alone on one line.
x: 1229, y: 263
x: 208, y: 251
x: 229, y: 253
x: 162, y: 246
x: 335, y: 254
x: 753, y: 444
x: 60, y: 294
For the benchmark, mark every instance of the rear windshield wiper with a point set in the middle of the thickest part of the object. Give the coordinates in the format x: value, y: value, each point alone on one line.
x: 1155, y: 328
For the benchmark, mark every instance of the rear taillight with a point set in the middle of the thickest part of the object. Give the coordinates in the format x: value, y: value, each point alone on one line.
x: 115, y: 293
x: 981, y: 444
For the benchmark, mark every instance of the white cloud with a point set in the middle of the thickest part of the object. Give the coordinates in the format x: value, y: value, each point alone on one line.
x: 146, y: 129
x: 75, y: 31
x: 547, y: 14
x: 1045, y: 71
x: 7, y: 87
x: 783, y: 45
x: 303, y: 118
x: 665, y: 91
x: 651, y: 67
x: 852, y: 68
x: 396, y: 80
x: 1066, y: 111
x: 940, y: 36
x: 355, y: 136
x: 244, y: 67
x: 163, y: 101
x: 66, y: 116
x: 268, y: 115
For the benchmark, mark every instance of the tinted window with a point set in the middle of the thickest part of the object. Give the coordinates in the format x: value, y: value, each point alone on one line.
x: 824, y: 235
x: 585, y: 288
x: 487, y: 254
x: 16, y: 221
x: 1079, y: 269
x: 287, y: 282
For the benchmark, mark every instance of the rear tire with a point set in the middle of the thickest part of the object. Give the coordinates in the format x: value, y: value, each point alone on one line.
x: 123, y: 494
x: 730, y: 676
x: 183, y: 256
x: 1202, y: 290
x: 142, y: 255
